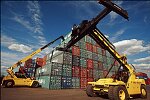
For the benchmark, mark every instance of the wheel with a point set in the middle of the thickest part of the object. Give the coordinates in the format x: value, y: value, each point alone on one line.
x: 120, y: 93
x: 110, y: 93
x: 9, y: 84
x: 89, y: 91
x: 35, y: 84
x: 143, y: 92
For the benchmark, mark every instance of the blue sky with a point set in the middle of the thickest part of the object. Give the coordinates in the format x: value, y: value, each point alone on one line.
x: 26, y: 26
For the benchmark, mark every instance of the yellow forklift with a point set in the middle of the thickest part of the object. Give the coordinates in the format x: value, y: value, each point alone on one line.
x: 124, y: 84
x: 19, y: 79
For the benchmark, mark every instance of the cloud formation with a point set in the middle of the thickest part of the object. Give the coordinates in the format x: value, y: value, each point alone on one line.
x: 143, y: 60
x: 130, y: 47
x: 20, y: 47
x: 118, y: 33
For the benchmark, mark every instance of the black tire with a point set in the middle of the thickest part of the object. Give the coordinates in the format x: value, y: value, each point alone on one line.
x: 9, y: 84
x: 143, y: 92
x: 118, y: 90
x: 89, y: 91
x: 110, y: 93
x: 35, y: 84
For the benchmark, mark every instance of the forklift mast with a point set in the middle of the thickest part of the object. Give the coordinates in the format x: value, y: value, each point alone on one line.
x: 89, y: 28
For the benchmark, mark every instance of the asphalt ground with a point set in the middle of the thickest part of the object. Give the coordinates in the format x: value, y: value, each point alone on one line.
x: 25, y: 93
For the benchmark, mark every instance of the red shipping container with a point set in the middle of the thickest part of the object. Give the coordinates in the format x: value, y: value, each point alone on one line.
x: 83, y: 72
x: 90, y: 80
x: 104, y: 52
x: 39, y: 59
x: 75, y: 71
x: 90, y: 73
x: 105, y: 72
x: 39, y: 64
x: 44, y: 58
x: 89, y: 46
x: 94, y: 49
x: 89, y: 63
x: 83, y: 83
x: 100, y: 65
x: 44, y: 63
x: 75, y: 51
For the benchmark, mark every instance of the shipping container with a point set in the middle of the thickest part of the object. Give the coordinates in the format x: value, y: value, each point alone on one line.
x: 75, y: 61
x: 89, y: 63
x: 90, y: 80
x: 88, y: 39
x: 66, y: 82
x: 83, y: 72
x: 83, y: 83
x: 44, y: 81
x: 55, y: 82
x: 89, y: 46
x: 93, y: 41
x: 95, y: 56
x: 76, y: 71
x: 100, y: 57
x: 67, y: 70
x: 89, y: 54
x: 103, y: 52
x: 90, y: 73
x: 99, y: 50
x: 56, y: 69
x: 94, y: 49
x: 95, y: 64
x: 82, y: 45
x: 75, y: 51
x: 83, y: 53
x: 75, y: 82
x: 83, y: 62
x: 100, y: 65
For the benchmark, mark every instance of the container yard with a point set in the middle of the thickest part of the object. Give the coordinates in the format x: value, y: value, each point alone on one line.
x: 83, y: 65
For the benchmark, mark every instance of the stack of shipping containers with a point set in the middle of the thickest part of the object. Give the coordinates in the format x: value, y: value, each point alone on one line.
x: 87, y: 62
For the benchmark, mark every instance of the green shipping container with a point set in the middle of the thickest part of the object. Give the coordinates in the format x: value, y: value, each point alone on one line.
x: 83, y: 62
x: 83, y: 53
x: 44, y: 81
x: 67, y: 70
x: 55, y: 82
x: 75, y: 82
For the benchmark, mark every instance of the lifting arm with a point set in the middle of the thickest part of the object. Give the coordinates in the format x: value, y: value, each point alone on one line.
x: 10, y: 70
x: 89, y: 27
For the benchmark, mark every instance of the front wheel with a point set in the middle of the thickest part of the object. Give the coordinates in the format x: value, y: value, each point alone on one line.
x: 120, y: 93
x: 9, y: 84
x: 35, y: 84
x: 143, y: 92
x: 89, y: 91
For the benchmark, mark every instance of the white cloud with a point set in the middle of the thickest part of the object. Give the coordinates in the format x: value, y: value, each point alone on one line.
x: 20, y: 47
x: 6, y: 41
x: 106, y: 36
x: 118, y: 33
x: 130, y: 47
x: 143, y: 60
x: 12, y: 44
x: 114, y: 15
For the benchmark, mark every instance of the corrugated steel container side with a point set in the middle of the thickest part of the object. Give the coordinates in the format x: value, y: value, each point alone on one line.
x: 75, y: 82
x: 56, y: 69
x: 66, y: 82
x: 89, y: 46
x: 95, y: 64
x: 83, y: 53
x: 55, y: 82
x: 89, y: 54
x: 90, y: 73
x: 95, y: 56
x: 75, y: 51
x: 83, y: 72
x: 76, y: 71
x: 100, y: 65
x: 83, y: 62
x: 75, y: 61
x: 67, y: 70
x: 83, y: 83
x: 94, y: 49
x: 89, y: 63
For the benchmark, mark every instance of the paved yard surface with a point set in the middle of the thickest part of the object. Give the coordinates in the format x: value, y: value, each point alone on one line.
x: 23, y: 93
